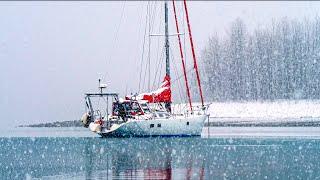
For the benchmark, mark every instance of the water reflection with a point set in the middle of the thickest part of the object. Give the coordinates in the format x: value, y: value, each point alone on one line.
x: 159, y: 158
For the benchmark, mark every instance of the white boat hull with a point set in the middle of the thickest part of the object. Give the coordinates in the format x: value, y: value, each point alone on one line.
x: 173, y: 126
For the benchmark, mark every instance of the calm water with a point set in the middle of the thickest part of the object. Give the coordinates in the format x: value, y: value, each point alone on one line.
x: 227, y: 153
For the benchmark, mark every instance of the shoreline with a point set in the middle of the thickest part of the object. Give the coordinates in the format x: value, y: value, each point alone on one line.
x: 221, y: 122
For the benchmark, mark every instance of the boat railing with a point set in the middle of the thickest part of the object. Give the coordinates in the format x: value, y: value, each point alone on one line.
x: 97, y: 113
x: 185, y: 110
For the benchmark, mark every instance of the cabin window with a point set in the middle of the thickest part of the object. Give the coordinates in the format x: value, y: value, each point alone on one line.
x: 151, y: 125
x: 187, y: 123
x: 159, y: 125
x: 145, y: 108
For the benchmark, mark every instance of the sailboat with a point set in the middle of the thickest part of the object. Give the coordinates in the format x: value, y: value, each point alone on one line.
x: 148, y: 114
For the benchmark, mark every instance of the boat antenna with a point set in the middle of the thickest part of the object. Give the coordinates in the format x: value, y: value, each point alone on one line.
x: 102, y: 86
x: 167, y: 104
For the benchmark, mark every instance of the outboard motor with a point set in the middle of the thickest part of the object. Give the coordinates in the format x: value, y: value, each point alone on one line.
x: 85, y: 119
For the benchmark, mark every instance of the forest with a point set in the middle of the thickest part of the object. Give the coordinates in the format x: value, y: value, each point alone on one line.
x: 280, y: 61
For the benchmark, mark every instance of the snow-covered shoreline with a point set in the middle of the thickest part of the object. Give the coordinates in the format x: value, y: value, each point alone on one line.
x: 268, y: 113
x: 274, y: 109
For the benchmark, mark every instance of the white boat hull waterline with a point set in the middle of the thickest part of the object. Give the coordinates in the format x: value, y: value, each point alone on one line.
x: 173, y: 126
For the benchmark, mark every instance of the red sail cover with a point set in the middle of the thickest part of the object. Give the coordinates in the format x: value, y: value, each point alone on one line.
x: 163, y: 94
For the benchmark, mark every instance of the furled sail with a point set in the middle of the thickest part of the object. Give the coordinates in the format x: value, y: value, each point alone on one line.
x: 163, y: 94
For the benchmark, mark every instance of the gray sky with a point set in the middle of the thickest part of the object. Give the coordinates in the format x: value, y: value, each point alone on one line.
x: 51, y: 53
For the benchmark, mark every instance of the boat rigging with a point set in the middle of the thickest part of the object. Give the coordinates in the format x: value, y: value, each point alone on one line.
x: 151, y: 113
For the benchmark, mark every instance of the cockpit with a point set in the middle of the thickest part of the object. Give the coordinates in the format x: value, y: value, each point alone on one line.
x: 129, y: 108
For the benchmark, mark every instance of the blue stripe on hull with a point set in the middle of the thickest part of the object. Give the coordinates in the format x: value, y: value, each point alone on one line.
x: 107, y: 135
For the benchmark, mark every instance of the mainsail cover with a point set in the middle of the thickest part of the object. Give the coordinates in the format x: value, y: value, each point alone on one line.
x: 163, y: 94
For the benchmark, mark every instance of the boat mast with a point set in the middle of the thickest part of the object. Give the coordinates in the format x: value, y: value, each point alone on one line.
x: 167, y: 104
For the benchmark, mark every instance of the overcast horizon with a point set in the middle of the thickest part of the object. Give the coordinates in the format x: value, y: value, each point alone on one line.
x: 53, y: 52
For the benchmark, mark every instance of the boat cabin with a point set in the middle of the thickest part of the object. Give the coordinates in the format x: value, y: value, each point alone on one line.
x: 129, y: 108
